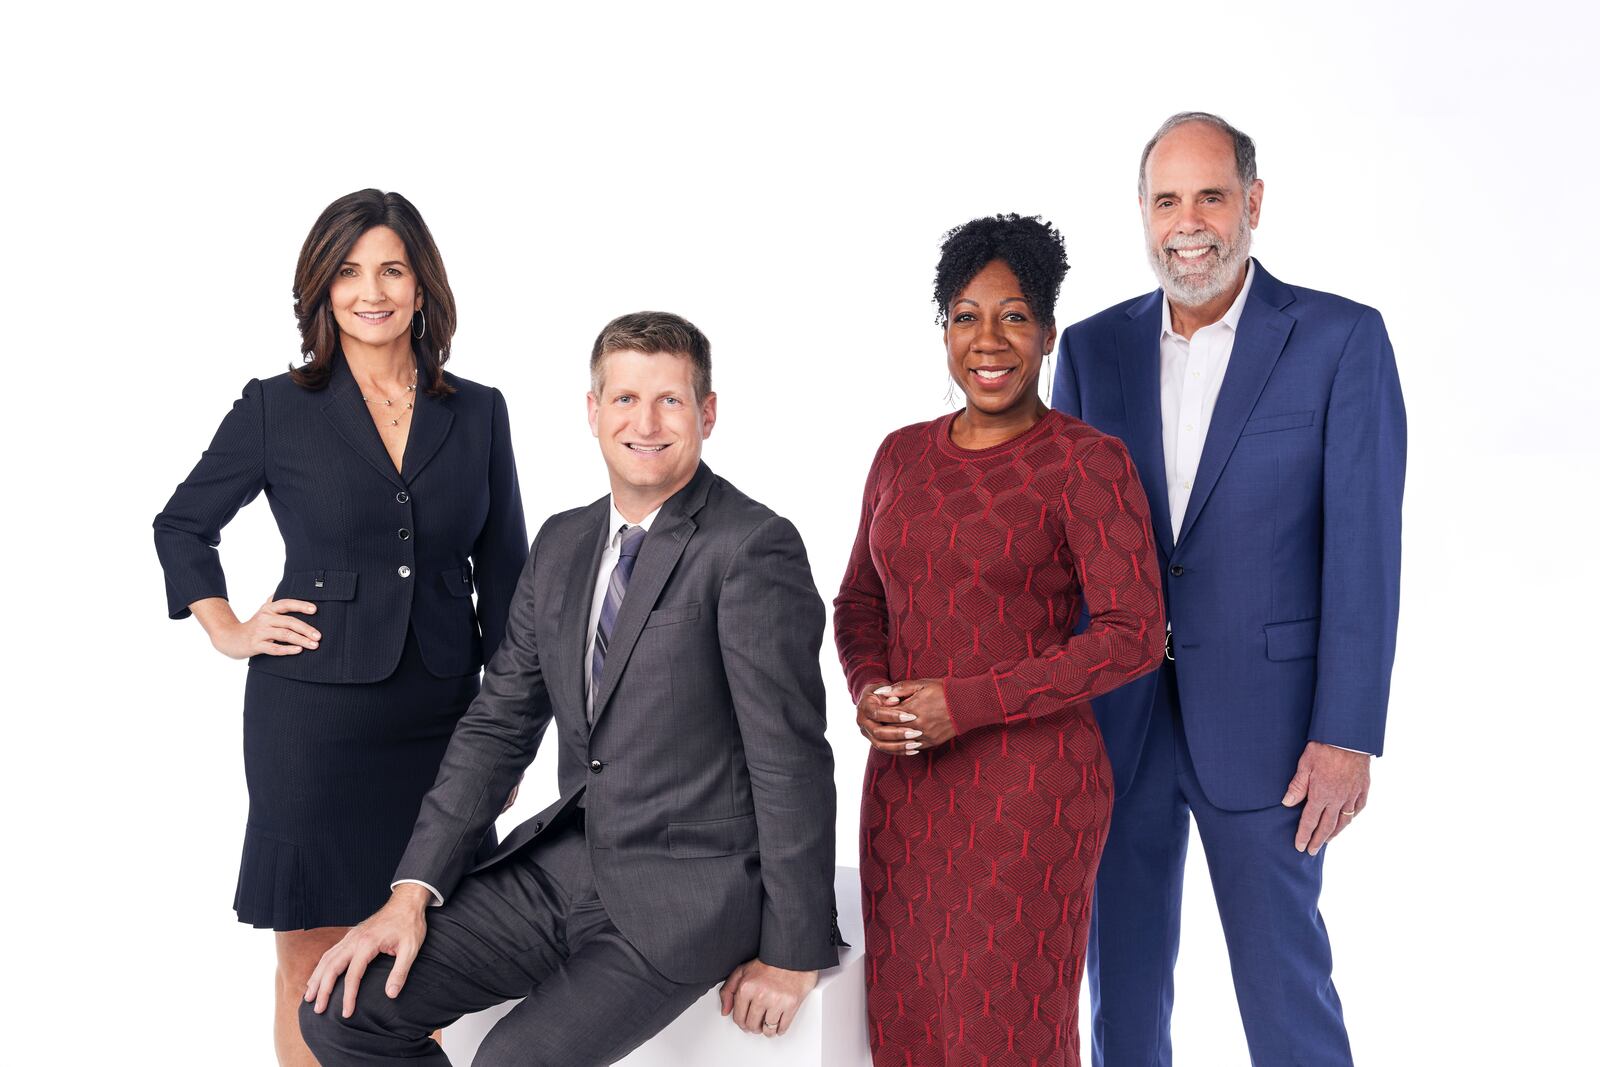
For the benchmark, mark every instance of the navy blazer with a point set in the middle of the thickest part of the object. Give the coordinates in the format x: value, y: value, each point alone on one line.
x: 1283, y: 584
x: 376, y: 549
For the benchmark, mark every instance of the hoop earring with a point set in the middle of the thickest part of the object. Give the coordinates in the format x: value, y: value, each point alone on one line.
x: 419, y: 334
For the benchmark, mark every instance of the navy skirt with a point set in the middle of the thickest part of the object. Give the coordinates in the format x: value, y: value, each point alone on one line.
x: 337, y: 774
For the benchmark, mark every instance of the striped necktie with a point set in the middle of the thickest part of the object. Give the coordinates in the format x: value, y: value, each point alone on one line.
x: 616, y: 588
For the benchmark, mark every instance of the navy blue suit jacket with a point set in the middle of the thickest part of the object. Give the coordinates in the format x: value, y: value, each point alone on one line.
x: 1283, y: 584
x: 377, y: 549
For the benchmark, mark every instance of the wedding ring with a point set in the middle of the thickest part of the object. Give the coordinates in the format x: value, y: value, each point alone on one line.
x: 1349, y: 813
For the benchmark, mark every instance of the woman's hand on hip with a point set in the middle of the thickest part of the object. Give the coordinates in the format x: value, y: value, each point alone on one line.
x: 923, y: 700
x: 270, y: 631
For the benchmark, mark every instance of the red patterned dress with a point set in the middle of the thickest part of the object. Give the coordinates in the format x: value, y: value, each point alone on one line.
x: 978, y: 857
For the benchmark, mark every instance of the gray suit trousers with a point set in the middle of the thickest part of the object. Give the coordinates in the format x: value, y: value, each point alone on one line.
x: 531, y: 927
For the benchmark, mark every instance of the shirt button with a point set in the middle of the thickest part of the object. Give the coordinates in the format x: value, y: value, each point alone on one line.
x: 404, y: 572
x: 403, y: 497
x: 1188, y: 485
x: 594, y: 766
x: 405, y: 534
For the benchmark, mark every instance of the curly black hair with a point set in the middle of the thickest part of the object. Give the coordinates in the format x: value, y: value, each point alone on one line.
x: 1030, y: 246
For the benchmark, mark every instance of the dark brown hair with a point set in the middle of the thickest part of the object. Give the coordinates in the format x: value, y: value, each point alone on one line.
x: 336, y: 231
x: 653, y: 331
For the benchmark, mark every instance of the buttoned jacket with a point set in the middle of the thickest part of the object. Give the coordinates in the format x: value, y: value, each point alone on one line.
x: 377, y: 549
x: 1282, y: 585
x: 705, y: 774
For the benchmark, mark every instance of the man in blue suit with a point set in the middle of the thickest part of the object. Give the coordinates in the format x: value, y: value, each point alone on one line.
x: 1268, y: 429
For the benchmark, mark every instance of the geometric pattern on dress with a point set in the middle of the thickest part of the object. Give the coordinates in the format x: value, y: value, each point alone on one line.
x: 978, y: 857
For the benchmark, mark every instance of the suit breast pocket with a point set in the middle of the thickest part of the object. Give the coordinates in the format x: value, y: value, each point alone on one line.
x: 670, y: 616
x: 1273, y: 423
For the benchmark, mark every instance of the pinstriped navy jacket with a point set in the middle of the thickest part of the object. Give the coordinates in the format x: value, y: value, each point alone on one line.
x: 376, y: 549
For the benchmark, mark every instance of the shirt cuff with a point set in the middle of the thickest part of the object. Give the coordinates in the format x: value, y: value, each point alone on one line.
x: 1341, y: 748
x: 437, y: 901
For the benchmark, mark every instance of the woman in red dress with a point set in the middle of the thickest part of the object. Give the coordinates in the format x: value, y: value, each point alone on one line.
x: 984, y: 534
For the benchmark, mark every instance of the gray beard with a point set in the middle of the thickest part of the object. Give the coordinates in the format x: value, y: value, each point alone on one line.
x: 1199, y: 289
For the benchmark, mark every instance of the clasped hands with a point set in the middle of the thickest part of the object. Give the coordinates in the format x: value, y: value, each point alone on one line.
x: 904, y: 718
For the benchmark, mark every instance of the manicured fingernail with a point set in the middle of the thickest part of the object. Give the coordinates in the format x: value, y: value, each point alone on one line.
x: 891, y: 700
x: 882, y: 690
x: 906, y: 716
x: 913, y: 733
x: 912, y: 746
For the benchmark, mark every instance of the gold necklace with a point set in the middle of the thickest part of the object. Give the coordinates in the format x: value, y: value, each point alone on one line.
x: 412, y: 388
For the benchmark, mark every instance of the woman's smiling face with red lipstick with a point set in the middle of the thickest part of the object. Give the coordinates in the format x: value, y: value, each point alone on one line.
x: 995, y: 342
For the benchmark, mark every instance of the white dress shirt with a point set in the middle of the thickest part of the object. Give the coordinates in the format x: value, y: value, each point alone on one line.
x: 1192, y: 370
x: 608, y: 563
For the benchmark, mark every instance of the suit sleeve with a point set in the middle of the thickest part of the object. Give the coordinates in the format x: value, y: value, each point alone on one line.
x: 1064, y: 391
x: 1363, y: 479
x: 229, y: 475
x: 502, y: 546
x: 493, y: 743
x: 1113, y: 551
x: 769, y: 621
x: 861, y: 611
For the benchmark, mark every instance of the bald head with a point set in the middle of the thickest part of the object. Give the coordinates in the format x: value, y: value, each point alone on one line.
x: 1196, y: 125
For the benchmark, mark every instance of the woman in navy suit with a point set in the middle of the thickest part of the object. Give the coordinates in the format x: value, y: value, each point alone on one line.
x: 395, y: 490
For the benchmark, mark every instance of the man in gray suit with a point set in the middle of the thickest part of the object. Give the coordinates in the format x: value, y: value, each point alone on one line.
x: 671, y: 632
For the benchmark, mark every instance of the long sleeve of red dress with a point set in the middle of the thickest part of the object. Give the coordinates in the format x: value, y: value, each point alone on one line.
x: 978, y: 856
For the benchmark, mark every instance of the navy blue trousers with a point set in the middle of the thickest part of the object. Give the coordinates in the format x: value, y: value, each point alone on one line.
x: 1266, y: 895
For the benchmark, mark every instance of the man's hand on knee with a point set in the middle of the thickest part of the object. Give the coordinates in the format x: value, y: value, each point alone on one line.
x: 396, y: 929
x: 763, y: 999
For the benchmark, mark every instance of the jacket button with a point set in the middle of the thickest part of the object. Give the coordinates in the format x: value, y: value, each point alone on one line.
x: 594, y: 766
x: 403, y: 497
x: 1176, y: 570
x: 405, y: 534
x: 404, y: 572
x: 537, y: 826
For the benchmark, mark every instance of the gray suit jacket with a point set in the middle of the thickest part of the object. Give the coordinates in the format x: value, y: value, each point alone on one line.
x: 706, y: 778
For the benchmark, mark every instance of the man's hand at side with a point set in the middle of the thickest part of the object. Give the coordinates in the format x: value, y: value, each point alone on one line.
x: 1333, y: 783
x: 762, y: 999
x: 396, y: 929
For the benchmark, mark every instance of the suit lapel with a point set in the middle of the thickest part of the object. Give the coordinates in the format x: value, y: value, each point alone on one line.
x: 1139, y: 356
x: 348, y: 413
x: 579, y: 597
x: 430, y: 422
x: 663, y: 546
x: 1263, y: 331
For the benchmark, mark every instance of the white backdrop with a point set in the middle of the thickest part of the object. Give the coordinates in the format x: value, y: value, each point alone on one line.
x: 782, y: 178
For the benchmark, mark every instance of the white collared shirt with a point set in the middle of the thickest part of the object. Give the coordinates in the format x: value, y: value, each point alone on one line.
x: 602, y: 578
x: 1192, y: 370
